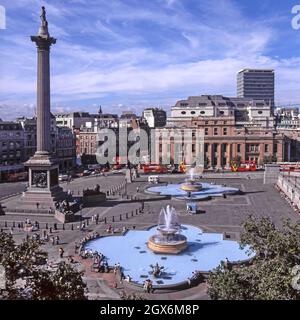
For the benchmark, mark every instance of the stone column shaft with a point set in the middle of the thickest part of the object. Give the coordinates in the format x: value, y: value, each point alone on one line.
x: 43, y: 101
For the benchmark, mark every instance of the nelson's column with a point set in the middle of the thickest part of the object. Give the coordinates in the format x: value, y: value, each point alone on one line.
x: 43, y: 189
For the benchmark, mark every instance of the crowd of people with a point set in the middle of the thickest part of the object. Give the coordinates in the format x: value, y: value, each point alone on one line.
x: 63, y: 206
x: 84, y: 253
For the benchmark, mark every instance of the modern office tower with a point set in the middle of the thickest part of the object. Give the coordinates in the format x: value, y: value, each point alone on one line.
x: 258, y: 84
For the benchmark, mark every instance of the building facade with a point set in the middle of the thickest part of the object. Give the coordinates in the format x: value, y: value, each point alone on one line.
x: 72, y: 120
x: 246, y: 111
x: 11, y: 148
x: 155, y: 117
x: 257, y: 84
x: 234, y: 129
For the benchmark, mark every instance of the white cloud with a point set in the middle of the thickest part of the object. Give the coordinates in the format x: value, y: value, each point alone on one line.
x: 122, y: 53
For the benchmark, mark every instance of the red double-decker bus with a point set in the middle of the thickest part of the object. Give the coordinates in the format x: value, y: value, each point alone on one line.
x: 243, y: 166
x: 154, y: 168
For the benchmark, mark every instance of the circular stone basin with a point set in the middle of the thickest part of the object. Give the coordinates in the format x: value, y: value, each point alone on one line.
x: 191, y: 186
x: 178, y: 267
x: 174, y: 246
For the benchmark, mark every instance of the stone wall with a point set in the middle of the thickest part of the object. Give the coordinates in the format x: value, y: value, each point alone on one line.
x: 271, y: 173
x: 291, y: 187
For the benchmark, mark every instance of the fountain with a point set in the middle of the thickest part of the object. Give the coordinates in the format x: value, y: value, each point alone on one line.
x: 190, y: 185
x: 168, y: 240
x: 192, y: 189
x: 204, y: 252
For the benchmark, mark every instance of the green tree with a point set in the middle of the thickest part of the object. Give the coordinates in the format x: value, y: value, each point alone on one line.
x: 27, y: 275
x: 268, y: 276
x: 65, y: 283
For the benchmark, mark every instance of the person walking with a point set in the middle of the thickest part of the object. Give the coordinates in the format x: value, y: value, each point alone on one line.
x: 61, y: 252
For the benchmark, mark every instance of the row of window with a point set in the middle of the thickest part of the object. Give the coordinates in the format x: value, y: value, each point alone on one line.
x: 11, y: 144
x: 10, y: 134
x: 201, y: 112
x: 216, y: 131
x: 249, y: 148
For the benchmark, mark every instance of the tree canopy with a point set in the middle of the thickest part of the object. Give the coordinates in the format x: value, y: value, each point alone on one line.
x: 270, y: 274
x: 27, y: 275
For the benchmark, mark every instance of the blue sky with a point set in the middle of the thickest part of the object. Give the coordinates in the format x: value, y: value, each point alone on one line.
x: 129, y: 54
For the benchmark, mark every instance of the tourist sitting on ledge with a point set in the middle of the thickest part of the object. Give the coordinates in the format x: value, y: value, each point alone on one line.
x: 148, y: 286
x: 110, y: 229
x: 128, y: 278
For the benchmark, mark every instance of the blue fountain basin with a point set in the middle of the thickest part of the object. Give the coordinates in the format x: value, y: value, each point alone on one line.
x: 208, y: 190
x: 205, y: 251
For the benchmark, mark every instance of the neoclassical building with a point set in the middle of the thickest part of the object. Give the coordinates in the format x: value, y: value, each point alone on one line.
x: 233, y: 128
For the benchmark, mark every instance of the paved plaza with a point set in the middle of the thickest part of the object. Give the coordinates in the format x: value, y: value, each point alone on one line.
x: 224, y: 215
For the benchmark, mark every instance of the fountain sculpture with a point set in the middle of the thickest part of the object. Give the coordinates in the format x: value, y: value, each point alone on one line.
x: 168, y: 240
x: 190, y: 184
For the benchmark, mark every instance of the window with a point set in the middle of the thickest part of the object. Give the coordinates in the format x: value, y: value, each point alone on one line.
x: 238, y: 148
x: 266, y: 148
x: 225, y: 131
x: 206, y: 131
x: 183, y: 112
x: 260, y: 112
x: 252, y: 148
x: 275, y: 147
x: 221, y: 112
x: 193, y: 112
x: 206, y: 122
x: 193, y: 147
x: 202, y: 112
x: 215, y: 131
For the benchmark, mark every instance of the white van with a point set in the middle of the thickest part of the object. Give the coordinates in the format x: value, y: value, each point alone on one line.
x: 153, y: 179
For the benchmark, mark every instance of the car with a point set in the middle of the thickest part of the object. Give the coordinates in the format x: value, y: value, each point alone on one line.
x: 63, y: 177
x: 153, y: 179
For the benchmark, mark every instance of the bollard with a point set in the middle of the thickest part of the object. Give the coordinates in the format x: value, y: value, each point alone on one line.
x: 14, y: 224
x: 136, y: 212
x: 105, y: 220
x: 126, y: 215
x: 113, y: 218
x: 120, y: 217
x: 132, y: 213
x: 72, y: 227
x: 5, y: 224
x: 47, y: 226
x: 63, y: 226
